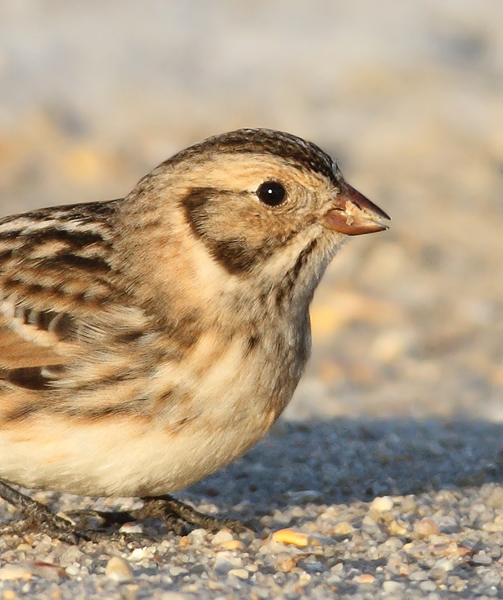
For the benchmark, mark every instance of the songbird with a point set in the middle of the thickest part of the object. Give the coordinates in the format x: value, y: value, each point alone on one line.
x: 148, y: 341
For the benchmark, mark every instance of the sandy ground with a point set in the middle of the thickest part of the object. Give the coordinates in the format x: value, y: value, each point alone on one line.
x: 407, y: 324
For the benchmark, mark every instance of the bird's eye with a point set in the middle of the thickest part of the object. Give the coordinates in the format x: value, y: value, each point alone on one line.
x: 271, y: 193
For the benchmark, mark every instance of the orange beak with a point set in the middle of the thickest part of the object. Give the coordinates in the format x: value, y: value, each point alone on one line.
x: 353, y: 214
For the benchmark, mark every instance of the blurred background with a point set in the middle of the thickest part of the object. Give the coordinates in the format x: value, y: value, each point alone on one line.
x: 407, y: 95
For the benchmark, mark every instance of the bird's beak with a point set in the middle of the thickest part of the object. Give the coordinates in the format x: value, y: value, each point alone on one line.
x: 353, y: 214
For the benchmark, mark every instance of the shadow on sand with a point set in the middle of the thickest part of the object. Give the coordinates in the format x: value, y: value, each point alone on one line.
x: 344, y: 460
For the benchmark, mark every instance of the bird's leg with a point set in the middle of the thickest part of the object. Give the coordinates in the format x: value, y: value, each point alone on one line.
x: 70, y: 528
x: 39, y: 517
x: 176, y: 513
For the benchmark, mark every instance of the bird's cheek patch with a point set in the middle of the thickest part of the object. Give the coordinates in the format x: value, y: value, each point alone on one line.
x: 235, y: 254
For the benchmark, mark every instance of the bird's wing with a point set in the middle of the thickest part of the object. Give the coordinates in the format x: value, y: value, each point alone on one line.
x: 55, y: 282
x: 72, y: 339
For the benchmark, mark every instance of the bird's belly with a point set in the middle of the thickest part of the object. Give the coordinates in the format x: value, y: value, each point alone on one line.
x: 176, y: 439
x: 119, y: 458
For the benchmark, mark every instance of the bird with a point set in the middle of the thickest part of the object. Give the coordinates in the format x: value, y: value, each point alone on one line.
x: 147, y: 341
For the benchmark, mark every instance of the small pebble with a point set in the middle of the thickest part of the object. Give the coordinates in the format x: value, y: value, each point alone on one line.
x: 175, y: 570
x: 119, y: 569
x: 428, y: 586
x: 215, y: 585
x: 131, y: 528
x: 381, y: 504
x: 233, y: 545
x: 285, y: 562
x: 367, y: 579
x: 447, y: 522
x: 395, y: 528
x: 71, y: 555
x: 15, y: 572
x: 426, y: 527
x: 72, y: 570
x: 418, y: 576
x: 222, y: 536
x: 140, y: 554
x: 198, y: 536
x: 444, y: 564
x: 491, y: 579
x: 225, y: 561
x: 239, y: 573
x: 391, y: 587
x: 342, y: 528
x: 451, y: 550
x: 481, y: 558
x: 291, y: 536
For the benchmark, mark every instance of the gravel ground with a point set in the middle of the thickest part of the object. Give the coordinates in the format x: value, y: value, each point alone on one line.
x: 387, y: 467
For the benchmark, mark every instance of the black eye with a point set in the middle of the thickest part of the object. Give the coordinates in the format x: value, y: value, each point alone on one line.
x: 271, y: 193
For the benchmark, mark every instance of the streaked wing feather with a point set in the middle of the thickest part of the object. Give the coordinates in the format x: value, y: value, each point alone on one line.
x: 24, y: 345
x: 47, y: 283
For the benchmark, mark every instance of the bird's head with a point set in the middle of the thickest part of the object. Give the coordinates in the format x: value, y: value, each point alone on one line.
x: 261, y: 205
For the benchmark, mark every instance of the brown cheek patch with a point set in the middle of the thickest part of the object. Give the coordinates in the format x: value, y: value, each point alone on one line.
x: 236, y: 255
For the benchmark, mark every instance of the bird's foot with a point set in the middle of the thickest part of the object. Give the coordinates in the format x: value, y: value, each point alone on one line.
x: 38, y: 517
x: 95, y: 526
x: 177, y: 515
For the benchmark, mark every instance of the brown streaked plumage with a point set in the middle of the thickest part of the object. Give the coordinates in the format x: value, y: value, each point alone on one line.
x: 147, y: 341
